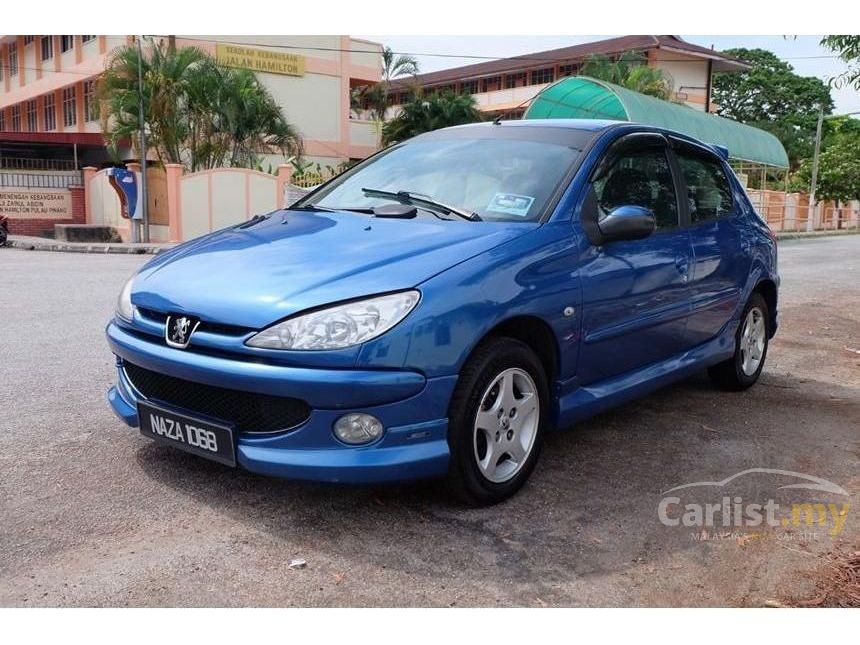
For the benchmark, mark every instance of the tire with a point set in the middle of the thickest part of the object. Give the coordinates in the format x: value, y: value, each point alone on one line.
x: 3, y: 236
x: 492, y: 456
x: 751, y: 342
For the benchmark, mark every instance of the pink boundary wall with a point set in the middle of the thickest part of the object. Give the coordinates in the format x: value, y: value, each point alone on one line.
x: 175, y: 175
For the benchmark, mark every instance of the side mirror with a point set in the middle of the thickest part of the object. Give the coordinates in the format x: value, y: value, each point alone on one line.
x: 627, y: 222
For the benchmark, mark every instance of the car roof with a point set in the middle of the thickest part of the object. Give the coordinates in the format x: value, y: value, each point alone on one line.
x: 588, y: 125
x: 595, y: 126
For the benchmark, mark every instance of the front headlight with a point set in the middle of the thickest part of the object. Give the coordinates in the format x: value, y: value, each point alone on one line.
x: 339, y: 326
x: 124, y: 308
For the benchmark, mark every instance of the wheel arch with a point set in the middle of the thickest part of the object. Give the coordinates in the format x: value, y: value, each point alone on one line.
x: 767, y: 288
x: 534, y: 332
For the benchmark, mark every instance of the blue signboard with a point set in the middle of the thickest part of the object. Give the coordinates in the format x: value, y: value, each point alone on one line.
x: 124, y: 182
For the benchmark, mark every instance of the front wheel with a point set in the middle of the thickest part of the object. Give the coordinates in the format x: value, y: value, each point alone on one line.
x: 497, y: 416
x: 3, y: 236
x: 743, y: 369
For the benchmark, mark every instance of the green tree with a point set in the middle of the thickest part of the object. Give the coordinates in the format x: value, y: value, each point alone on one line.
x: 197, y: 112
x: 166, y: 76
x: 839, y: 162
x: 376, y: 96
x: 630, y: 70
x: 771, y: 96
x: 423, y: 114
x: 251, y: 120
x: 848, y: 48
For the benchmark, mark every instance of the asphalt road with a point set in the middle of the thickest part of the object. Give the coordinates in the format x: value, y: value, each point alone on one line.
x: 93, y: 514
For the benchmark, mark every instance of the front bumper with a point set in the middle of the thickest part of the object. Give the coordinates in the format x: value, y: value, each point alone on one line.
x: 413, y: 410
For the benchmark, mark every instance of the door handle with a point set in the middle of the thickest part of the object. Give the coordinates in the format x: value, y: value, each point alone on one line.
x: 683, y: 266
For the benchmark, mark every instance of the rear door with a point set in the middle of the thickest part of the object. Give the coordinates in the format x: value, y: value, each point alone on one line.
x: 721, y: 264
x: 635, y: 292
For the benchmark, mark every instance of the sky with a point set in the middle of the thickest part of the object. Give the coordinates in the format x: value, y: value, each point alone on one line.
x: 803, y: 52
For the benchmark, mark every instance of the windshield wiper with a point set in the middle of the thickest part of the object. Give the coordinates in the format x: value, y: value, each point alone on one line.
x: 407, y: 197
x: 327, y: 209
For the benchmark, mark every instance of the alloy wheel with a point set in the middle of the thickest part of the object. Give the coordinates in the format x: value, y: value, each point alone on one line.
x: 506, y: 425
x: 752, y: 341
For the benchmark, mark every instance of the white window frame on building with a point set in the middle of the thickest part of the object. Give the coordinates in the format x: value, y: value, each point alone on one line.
x: 510, y: 80
x: 569, y: 69
x: 16, y: 117
x: 541, y: 76
x: 86, y: 39
x: 491, y: 83
x: 469, y: 87
x: 70, y: 114
x: 50, y: 112
x: 47, y: 46
x: 12, y: 59
x: 28, y: 40
x: 32, y: 116
x: 67, y: 43
x: 91, y: 112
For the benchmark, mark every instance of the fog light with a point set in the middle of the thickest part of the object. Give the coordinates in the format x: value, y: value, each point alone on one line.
x: 358, y: 428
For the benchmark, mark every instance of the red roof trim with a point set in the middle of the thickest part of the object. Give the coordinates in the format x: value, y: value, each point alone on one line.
x: 554, y: 56
x: 56, y: 138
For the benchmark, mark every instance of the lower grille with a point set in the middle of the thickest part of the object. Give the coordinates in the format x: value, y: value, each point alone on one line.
x: 248, y: 411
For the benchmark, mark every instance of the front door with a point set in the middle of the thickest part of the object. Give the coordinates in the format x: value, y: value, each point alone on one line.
x: 635, y: 292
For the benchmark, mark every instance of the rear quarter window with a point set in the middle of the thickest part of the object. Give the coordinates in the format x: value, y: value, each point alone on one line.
x: 709, y: 193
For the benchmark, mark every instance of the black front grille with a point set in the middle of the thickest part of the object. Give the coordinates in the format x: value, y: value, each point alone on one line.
x: 248, y: 411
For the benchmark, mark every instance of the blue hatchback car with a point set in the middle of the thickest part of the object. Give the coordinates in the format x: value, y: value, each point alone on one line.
x: 436, y: 309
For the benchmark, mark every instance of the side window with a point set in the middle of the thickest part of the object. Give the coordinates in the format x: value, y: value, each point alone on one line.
x: 708, y: 191
x: 640, y: 178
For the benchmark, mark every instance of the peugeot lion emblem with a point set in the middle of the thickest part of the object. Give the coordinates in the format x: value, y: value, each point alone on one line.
x: 178, y: 330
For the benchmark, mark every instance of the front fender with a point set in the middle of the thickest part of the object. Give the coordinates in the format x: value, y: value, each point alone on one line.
x: 531, y: 275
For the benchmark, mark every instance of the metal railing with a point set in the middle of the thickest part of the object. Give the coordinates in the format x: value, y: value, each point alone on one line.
x: 21, y: 163
x: 41, y: 179
x: 312, y: 179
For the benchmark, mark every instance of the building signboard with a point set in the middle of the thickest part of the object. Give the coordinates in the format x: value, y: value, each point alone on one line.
x: 39, y: 203
x: 260, y: 60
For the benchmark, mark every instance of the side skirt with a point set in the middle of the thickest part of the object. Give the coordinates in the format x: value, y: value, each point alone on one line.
x: 584, y: 402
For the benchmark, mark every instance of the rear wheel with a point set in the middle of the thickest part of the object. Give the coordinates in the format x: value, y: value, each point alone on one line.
x: 3, y: 236
x: 751, y: 341
x: 496, y: 421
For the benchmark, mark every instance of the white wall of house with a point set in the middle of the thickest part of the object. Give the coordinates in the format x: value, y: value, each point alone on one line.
x: 688, y: 75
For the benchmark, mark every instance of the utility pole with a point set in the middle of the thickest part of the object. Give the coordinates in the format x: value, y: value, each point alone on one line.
x: 814, y: 185
x: 142, y: 119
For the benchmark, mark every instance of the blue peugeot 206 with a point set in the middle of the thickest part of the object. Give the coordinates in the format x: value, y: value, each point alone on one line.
x: 436, y: 309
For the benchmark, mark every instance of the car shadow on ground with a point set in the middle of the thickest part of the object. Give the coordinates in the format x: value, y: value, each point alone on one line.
x: 590, y: 506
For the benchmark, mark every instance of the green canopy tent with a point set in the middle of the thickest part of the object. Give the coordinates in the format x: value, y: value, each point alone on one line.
x: 580, y: 97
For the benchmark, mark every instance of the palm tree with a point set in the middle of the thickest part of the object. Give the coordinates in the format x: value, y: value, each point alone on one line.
x: 423, y: 114
x: 396, y: 65
x: 198, y: 112
x: 393, y: 66
x: 630, y: 71
x: 166, y: 76
x: 252, y: 120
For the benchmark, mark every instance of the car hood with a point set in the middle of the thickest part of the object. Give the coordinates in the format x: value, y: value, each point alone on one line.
x: 254, y: 275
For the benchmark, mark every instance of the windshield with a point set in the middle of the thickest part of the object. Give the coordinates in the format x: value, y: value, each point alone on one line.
x: 499, y: 179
